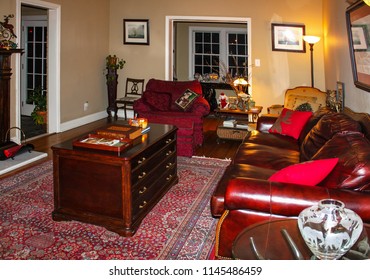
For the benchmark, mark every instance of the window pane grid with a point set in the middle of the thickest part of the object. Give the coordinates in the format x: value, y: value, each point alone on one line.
x: 36, y: 59
x: 238, y: 54
x: 206, y: 52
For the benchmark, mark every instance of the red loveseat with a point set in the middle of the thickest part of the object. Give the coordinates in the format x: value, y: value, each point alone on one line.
x: 157, y: 104
x: 246, y: 194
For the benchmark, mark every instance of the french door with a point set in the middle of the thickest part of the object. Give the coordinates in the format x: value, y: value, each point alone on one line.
x: 34, y: 59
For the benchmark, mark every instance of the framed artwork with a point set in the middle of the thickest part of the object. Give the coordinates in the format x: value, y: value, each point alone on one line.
x: 136, y: 31
x: 339, y: 106
x: 358, y: 26
x: 358, y: 37
x: 288, y: 37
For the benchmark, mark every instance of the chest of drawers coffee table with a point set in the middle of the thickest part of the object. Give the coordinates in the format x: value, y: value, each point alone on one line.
x: 111, y: 190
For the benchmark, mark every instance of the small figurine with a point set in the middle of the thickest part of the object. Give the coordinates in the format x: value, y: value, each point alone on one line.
x: 224, y: 100
x: 7, y: 33
x: 7, y: 26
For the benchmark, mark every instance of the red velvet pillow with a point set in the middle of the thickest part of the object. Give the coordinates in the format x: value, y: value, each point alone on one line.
x: 308, y: 173
x: 158, y: 100
x: 290, y: 123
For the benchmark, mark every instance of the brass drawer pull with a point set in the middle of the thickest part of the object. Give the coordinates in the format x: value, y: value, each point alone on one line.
x: 143, y: 190
x: 169, y: 165
x: 168, y: 153
x: 142, y: 205
x: 169, y: 177
x: 142, y: 175
x: 140, y: 161
x: 168, y: 141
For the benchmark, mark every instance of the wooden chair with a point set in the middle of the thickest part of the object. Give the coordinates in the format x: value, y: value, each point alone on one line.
x: 297, y: 97
x: 134, y: 90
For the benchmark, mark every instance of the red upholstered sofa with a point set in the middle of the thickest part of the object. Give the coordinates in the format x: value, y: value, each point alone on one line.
x: 157, y: 104
x: 245, y: 195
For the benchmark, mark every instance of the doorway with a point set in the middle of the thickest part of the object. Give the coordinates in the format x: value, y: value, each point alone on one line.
x: 171, y: 61
x: 51, y: 61
x: 34, y: 33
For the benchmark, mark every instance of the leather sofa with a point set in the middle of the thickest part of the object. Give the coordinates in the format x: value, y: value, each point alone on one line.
x: 245, y: 194
x: 158, y: 105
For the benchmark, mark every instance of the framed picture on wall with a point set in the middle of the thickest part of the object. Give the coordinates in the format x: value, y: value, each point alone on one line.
x: 358, y: 26
x: 136, y: 31
x: 288, y: 37
x: 358, y: 37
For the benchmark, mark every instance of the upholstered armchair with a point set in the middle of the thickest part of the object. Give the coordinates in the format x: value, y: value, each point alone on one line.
x: 302, y: 99
x: 162, y: 102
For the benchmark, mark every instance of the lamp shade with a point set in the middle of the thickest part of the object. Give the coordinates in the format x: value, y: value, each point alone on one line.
x: 311, y: 39
x: 367, y: 2
x: 240, y: 81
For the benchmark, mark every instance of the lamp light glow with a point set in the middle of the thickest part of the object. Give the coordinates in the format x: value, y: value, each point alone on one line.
x: 240, y: 81
x: 312, y: 39
x: 367, y: 2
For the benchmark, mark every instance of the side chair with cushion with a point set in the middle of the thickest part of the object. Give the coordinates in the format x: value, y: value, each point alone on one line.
x: 300, y: 98
x: 134, y: 90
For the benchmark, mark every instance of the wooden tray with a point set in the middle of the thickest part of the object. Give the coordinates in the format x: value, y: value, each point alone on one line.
x: 103, y: 143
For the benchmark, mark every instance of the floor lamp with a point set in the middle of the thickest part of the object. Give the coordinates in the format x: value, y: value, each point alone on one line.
x: 311, y: 40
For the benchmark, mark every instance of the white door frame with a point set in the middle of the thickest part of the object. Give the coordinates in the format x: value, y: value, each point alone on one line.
x: 54, y: 37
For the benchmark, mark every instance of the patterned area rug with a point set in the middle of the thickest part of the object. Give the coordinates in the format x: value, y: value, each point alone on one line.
x: 180, y: 226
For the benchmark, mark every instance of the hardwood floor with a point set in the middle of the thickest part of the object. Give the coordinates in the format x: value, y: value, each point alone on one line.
x: 210, y: 148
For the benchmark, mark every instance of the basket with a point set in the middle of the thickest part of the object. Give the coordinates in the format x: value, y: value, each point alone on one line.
x: 231, y: 133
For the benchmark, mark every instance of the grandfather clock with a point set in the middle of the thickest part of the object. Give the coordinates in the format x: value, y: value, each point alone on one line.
x: 5, y: 74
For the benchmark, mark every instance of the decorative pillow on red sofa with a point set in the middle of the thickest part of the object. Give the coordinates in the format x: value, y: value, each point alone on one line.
x: 308, y: 173
x: 185, y: 101
x: 290, y: 123
x: 158, y: 100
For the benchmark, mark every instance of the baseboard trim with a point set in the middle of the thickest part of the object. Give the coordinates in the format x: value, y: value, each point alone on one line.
x: 82, y: 121
x: 91, y: 118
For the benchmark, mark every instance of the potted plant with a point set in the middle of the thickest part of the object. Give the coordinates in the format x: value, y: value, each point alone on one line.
x: 39, y: 113
x: 112, y: 63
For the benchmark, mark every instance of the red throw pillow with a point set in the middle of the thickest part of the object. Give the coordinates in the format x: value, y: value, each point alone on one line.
x: 308, y: 173
x: 158, y: 100
x: 290, y: 123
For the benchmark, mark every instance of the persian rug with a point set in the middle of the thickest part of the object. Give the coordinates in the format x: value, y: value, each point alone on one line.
x: 179, y: 227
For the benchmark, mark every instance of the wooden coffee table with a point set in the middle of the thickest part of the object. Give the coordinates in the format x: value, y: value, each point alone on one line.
x: 269, y: 242
x: 113, y: 191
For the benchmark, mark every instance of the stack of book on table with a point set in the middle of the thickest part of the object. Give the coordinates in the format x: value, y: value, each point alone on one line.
x: 229, y: 123
x: 242, y: 125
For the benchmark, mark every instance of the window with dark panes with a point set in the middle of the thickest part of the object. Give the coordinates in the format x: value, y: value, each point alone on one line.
x: 218, y: 50
x: 36, y: 59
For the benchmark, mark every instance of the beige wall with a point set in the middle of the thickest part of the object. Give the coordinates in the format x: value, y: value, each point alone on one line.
x: 84, y: 46
x: 337, y: 56
x: 278, y: 71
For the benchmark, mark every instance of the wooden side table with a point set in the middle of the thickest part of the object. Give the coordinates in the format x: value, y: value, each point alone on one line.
x: 240, y: 114
x: 269, y: 242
